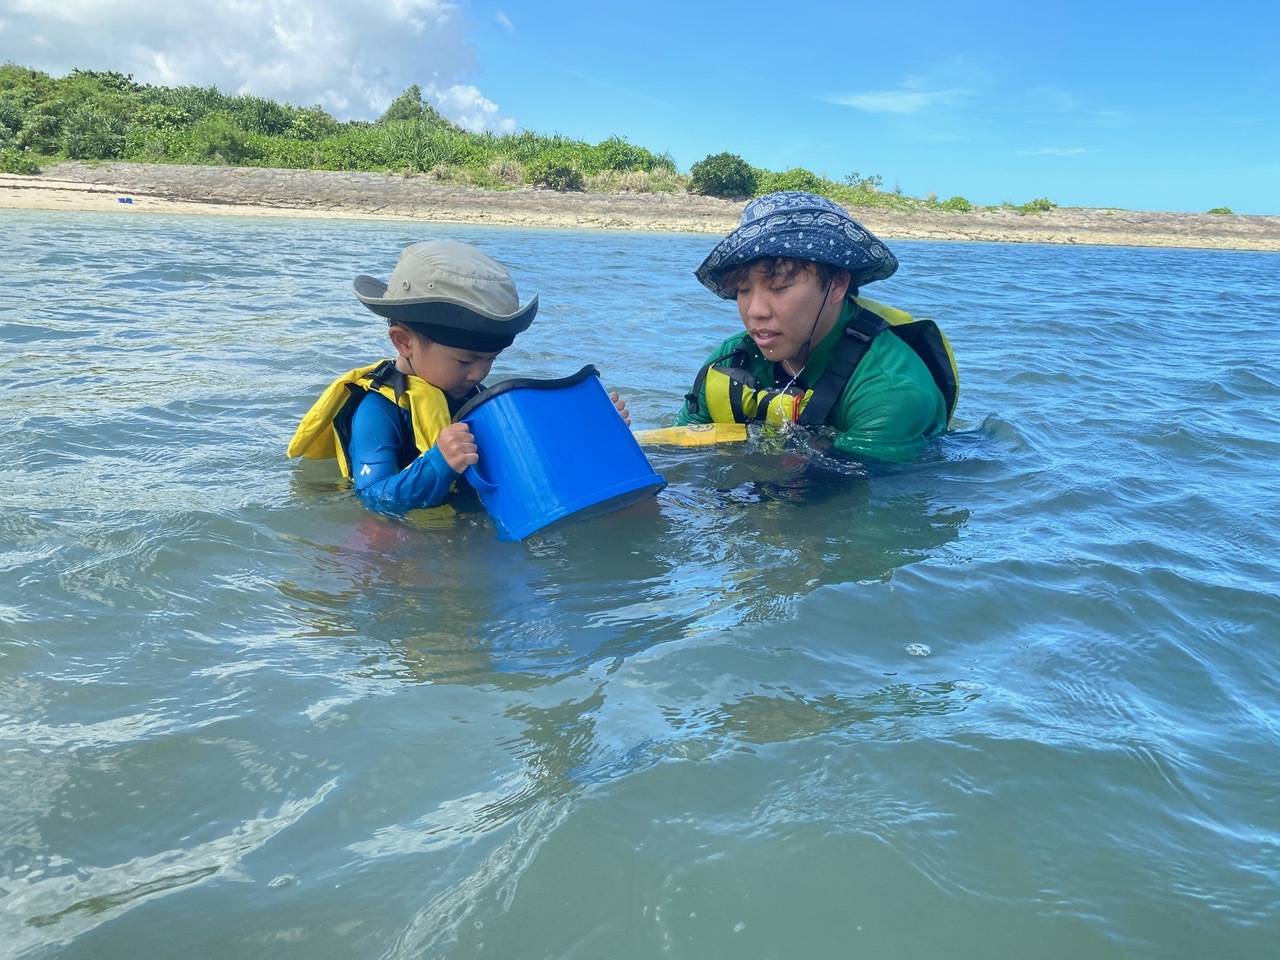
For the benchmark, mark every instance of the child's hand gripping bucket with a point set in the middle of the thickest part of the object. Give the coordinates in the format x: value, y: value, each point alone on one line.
x: 550, y: 449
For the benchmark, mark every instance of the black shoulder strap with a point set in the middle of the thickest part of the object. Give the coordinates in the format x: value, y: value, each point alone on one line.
x: 386, y: 374
x: 863, y: 327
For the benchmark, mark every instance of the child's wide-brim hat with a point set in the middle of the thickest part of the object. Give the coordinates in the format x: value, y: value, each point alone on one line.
x: 800, y: 226
x: 451, y: 293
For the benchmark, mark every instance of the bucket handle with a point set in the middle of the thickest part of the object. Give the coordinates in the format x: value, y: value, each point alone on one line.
x: 481, y: 485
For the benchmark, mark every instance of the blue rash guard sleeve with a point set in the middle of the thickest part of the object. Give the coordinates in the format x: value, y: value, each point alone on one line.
x: 388, y: 473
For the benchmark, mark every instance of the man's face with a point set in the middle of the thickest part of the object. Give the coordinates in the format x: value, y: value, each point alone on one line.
x: 786, y: 312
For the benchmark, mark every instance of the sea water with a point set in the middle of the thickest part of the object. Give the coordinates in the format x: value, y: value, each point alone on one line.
x: 1016, y: 699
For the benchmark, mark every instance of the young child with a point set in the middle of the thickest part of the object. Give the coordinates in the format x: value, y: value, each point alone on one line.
x: 451, y: 310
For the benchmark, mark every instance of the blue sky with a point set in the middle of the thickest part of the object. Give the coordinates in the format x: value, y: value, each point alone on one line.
x: 1140, y: 106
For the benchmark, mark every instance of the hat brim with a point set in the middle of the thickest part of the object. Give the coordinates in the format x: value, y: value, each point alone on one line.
x: 444, y: 313
x: 822, y: 237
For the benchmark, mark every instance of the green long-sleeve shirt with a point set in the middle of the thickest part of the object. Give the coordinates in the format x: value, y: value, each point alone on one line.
x: 889, y: 407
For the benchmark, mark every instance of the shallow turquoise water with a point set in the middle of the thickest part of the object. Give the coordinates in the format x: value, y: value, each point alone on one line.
x: 1016, y: 699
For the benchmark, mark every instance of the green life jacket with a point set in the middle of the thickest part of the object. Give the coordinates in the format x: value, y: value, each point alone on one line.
x: 734, y: 395
x: 325, y: 430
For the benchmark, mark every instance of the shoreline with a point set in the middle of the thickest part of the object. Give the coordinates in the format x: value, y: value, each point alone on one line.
x: 133, y: 189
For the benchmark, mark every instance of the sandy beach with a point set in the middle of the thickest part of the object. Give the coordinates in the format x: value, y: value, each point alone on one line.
x: 129, y: 189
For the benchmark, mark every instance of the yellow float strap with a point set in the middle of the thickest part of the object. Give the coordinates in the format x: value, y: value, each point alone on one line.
x: 694, y: 434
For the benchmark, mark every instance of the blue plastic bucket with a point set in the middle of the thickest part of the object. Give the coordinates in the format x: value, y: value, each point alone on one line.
x: 551, y: 449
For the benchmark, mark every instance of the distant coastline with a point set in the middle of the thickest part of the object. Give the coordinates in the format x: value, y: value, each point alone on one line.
x: 255, y: 191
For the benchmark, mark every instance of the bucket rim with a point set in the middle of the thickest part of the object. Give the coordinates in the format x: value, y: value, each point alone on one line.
x: 523, y: 383
x: 616, y: 496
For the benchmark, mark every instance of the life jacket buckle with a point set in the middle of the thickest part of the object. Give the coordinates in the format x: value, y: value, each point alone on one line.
x: 861, y: 336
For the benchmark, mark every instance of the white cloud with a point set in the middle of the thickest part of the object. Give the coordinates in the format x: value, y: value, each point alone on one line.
x: 351, y: 57
x: 471, y: 110
x: 899, y: 101
x: 504, y: 21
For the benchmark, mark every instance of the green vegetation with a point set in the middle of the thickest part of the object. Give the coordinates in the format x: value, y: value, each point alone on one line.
x: 92, y: 115
x: 1042, y: 205
x: 723, y: 175
x: 1220, y: 210
x: 557, y: 172
x: 797, y: 178
x: 14, y: 161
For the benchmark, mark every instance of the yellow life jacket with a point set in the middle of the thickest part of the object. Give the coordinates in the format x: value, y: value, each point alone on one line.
x: 734, y: 395
x: 325, y: 430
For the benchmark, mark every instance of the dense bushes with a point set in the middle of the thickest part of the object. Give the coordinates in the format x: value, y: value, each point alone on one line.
x: 91, y: 134
x: 17, y: 161
x: 217, y: 138
x: 1039, y: 205
x: 557, y: 172
x: 723, y: 175
x: 103, y: 115
x: 90, y: 115
x: 797, y: 178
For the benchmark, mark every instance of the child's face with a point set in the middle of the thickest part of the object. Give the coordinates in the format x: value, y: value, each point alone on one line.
x: 452, y: 370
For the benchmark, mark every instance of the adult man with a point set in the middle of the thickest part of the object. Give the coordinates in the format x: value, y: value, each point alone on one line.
x: 813, y: 351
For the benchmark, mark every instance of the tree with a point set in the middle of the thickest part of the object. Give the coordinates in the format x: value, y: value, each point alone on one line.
x: 723, y: 175
x: 407, y: 106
